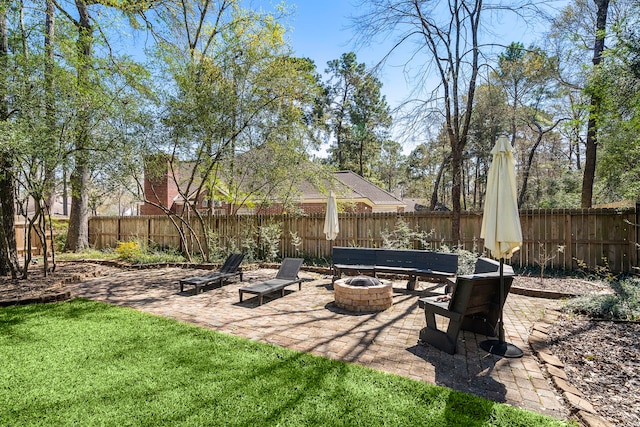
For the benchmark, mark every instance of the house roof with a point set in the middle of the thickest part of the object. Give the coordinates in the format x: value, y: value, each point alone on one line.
x: 349, y: 185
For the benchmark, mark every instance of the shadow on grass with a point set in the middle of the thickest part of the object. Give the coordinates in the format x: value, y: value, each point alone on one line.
x: 130, y: 367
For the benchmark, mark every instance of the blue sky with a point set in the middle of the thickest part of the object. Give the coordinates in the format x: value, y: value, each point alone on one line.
x: 322, y: 30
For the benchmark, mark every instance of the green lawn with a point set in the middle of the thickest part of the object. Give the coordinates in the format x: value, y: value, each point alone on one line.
x: 87, y: 363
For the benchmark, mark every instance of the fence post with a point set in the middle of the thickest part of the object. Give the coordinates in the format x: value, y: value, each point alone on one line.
x: 568, y: 241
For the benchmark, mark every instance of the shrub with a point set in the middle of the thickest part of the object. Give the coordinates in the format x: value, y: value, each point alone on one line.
x: 135, y: 253
x: 623, y: 304
x: 128, y: 251
x: 270, y: 241
x: 403, y: 237
x: 466, y: 259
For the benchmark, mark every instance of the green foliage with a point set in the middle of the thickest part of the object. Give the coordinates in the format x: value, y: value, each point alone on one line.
x: 216, y: 250
x: 59, y: 235
x: 128, y: 251
x: 623, y: 304
x: 135, y: 252
x: 296, y: 241
x: 403, y: 237
x: 560, y: 191
x: 88, y: 253
x: 598, y: 272
x: 116, y: 366
x: 356, y: 114
x: 248, y: 244
x: 466, y: 259
x: 270, y: 236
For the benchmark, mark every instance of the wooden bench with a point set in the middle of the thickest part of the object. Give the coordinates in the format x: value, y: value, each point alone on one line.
x: 474, y: 305
x: 413, y: 263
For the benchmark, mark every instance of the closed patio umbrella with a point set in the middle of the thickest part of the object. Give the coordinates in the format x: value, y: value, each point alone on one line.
x: 331, y: 227
x: 501, y: 228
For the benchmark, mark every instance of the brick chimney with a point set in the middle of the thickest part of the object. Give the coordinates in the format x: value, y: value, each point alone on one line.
x: 159, y: 184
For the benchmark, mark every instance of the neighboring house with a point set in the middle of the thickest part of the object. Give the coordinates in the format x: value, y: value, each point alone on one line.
x: 354, y: 194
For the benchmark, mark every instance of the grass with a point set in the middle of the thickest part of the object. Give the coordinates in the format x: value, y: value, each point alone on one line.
x: 134, y: 257
x: 87, y: 363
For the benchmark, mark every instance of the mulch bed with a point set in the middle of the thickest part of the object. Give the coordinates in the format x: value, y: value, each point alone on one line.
x: 41, y: 288
x: 602, y: 358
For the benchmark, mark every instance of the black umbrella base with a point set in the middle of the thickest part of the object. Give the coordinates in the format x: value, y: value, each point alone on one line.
x: 501, y: 348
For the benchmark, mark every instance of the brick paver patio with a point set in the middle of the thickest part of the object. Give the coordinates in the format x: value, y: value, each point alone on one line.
x: 309, y: 321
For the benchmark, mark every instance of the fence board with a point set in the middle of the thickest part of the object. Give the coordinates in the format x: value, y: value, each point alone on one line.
x: 596, y: 237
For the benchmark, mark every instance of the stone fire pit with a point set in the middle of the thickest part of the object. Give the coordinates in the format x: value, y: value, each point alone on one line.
x: 363, y: 293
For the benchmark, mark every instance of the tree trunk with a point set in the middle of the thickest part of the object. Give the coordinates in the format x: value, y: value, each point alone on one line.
x: 50, y: 116
x: 456, y: 191
x: 8, y: 246
x: 527, y: 168
x: 78, y: 233
x: 596, y: 101
x: 436, y: 184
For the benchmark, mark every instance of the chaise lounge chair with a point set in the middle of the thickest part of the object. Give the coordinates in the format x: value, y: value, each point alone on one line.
x: 287, y: 275
x: 229, y: 269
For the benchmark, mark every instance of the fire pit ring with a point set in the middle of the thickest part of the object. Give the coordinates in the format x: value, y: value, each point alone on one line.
x: 363, y: 293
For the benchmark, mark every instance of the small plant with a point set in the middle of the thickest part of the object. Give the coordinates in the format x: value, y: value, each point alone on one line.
x: 134, y: 252
x: 248, y: 244
x: 270, y: 241
x: 599, y: 271
x: 466, y: 259
x: 129, y: 251
x: 544, y: 257
x: 400, y: 238
x: 296, y: 241
x: 216, y: 251
x: 623, y: 304
x: 403, y: 237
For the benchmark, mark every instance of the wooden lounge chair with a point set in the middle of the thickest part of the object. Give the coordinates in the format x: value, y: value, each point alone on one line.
x: 474, y: 306
x: 229, y: 269
x: 287, y: 275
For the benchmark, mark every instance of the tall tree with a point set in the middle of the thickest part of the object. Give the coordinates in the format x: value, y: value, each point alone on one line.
x: 389, y: 168
x: 527, y: 78
x: 78, y: 232
x: 619, y: 132
x: 370, y: 119
x: 345, y: 76
x: 236, y: 111
x: 596, y: 102
x: 8, y: 248
x: 448, y: 31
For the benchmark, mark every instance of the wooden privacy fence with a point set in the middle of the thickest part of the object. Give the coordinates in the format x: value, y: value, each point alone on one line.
x: 559, y: 238
x: 21, y: 243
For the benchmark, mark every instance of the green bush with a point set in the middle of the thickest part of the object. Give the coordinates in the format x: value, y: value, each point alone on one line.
x: 623, y: 304
x: 466, y: 259
x: 136, y: 253
x: 129, y: 251
x: 270, y: 241
x: 403, y: 237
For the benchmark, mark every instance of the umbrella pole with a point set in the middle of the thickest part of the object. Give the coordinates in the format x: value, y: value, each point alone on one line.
x: 500, y: 347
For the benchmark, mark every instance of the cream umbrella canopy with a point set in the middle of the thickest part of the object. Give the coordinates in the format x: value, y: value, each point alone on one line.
x: 501, y: 228
x: 331, y: 226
